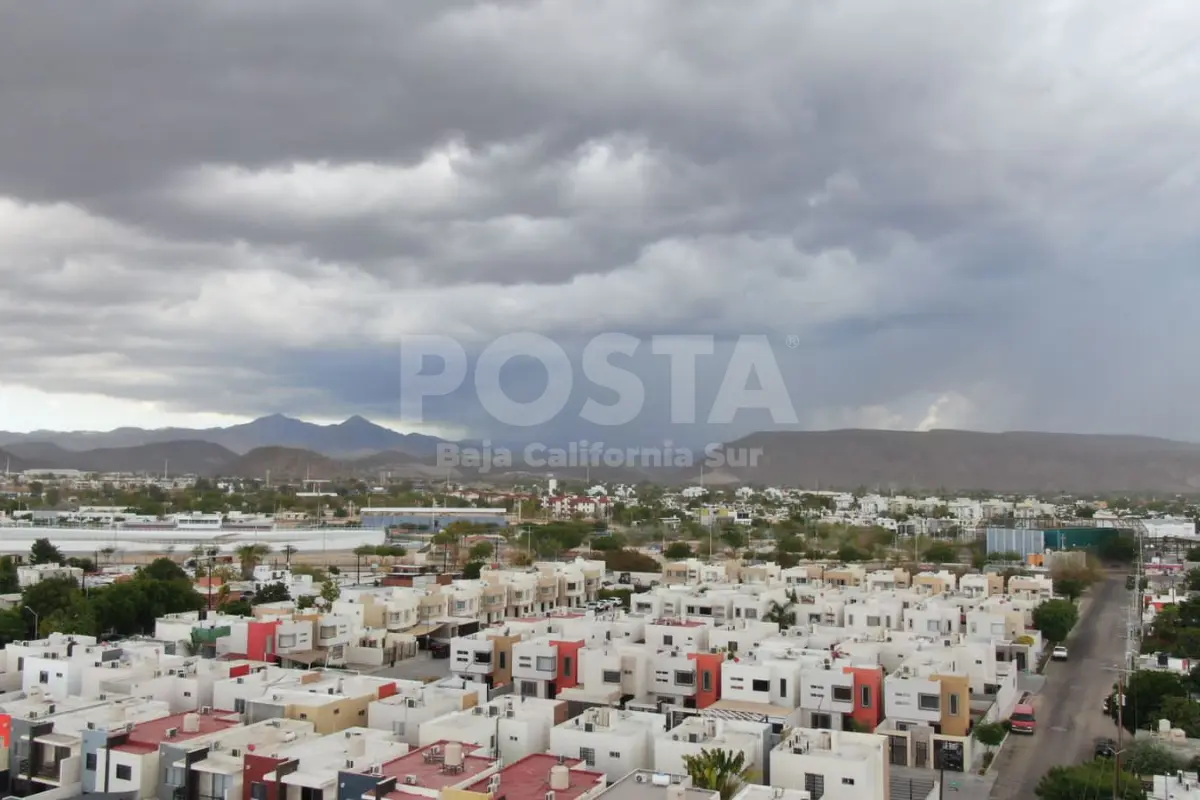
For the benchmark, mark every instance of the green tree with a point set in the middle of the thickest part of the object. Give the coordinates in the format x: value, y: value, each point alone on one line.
x: 249, y: 556
x: 849, y: 553
x: 677, y: 550
x: 989, y: 734
x: 720, y: 770
x: 43, y: 552
x: 940, y: 553
x: 472, y: 570
x: 305, y: 601
x: 271, y: 593
x: 9, y: 582
x: 480, y: 551
x: 1150, y: 758
x: 1091, y: 779
x: 163, y: 569
x: 733, y: 538
x: 50, y: 595
x: 1121, y: 549
x: 783, y: 614
x: 1146, y: 692
x: 330, y: 591
x: 238, y: 608
x: 1055, y: 619
x: 14, y: 625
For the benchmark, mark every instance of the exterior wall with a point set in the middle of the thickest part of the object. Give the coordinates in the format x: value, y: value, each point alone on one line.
x: 959, y: 723
x: 844, y: 778
x: 502, y: 654
x: 903, y: 699
x: 260, y: 640
x: 254, y: 768
x: 568, y: 663
x: 868, y: 696
x: 347, y: 712
x: 708, y: 677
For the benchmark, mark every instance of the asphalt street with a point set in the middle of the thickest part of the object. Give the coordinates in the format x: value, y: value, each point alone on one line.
x: 1068, y: 706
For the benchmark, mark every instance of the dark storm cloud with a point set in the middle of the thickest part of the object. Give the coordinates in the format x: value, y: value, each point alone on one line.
x: 960, y: 212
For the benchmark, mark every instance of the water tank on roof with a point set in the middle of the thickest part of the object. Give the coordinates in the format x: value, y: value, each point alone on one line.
x: 560, y: 778
x: 454, y: 754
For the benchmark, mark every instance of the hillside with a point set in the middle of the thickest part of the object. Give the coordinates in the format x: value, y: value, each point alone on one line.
x: 179, y: 457
x: 286, y: 463
x: 355, y: 437
x: 966, y: 460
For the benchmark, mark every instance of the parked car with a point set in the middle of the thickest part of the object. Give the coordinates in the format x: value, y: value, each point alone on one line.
x: 1105, y: 748
x: 1023, y: 719
x: 439, y: 649
x: 1059, y: 653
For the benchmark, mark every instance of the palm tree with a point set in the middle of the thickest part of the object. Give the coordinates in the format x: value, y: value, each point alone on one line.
x: 783, y: 614
x: 721, y: 771
x: 249, y: 556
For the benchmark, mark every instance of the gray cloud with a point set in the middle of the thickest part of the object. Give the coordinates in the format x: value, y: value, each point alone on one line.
x: 970, y: 214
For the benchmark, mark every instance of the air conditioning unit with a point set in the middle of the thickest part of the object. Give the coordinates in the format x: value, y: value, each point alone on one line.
x: 640, y: 778
x: 172, y: 733
x: 549, y: 795
x: 205, y: 709
x: 412, y: 702
x: 588, y: 727
x: 410, y: 780
x: 477, y: 711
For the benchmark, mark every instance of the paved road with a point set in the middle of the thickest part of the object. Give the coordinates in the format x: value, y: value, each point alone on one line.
x: 1069, y: 704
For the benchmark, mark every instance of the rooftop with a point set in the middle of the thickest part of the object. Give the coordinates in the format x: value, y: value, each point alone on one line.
x: 428, y: 765
x: 530, y: 778
x: 646, y: 785
x: 145, y: 737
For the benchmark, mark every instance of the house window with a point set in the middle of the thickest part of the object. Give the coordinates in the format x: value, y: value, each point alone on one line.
x: 847, y: 781
x: 814, y: 785
x: 707, y: 679
x: 187, y: 694
x: 760, y: 686
x: 89, y: 762
x: 483, y: 658
x: 929, y: 702
x: 528, y: 689
x: 953, y: 705
x: 567, y: 667
x: 612, y: 676
x: 751, y: 613
x: 545, y: 664
x: 613, y: 754
x: 239, y: 705
x: 668, y: 640
x: 783, y: 687
x: 872, y: 622
x: 503, y: 660
x: 124, y: 772
x: 843, y: 694
x: 683, y: 678
x: 287, y: 640
x: 589, y: 755
x: 44, y: 677
x: 866, y: 697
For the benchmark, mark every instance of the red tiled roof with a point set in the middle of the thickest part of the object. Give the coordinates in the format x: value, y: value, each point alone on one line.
x: 430, y: 774
x: 147, y: 736
x: 530, y: 777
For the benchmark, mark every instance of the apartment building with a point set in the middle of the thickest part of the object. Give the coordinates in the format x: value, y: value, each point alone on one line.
x: 696, y: 734
x: 30, y: 575
x: 511, y: 726
x: 612, y: 741
x: 415, y: 703
x: 831, y: 764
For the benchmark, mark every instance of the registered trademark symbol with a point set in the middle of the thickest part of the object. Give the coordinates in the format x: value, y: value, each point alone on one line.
x: 793, y: 341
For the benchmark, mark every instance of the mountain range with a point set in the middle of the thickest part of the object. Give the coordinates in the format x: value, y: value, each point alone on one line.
x: 882, y: 460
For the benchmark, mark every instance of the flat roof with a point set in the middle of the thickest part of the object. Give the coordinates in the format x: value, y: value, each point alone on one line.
x: 530, y: 778
x: 147, y: 736
x: 431, y: 773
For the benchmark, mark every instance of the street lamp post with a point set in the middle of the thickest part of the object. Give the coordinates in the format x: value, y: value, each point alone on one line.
x: 36, y: 624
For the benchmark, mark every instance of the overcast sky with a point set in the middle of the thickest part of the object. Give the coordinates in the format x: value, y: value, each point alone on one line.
x: 940, y: 214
